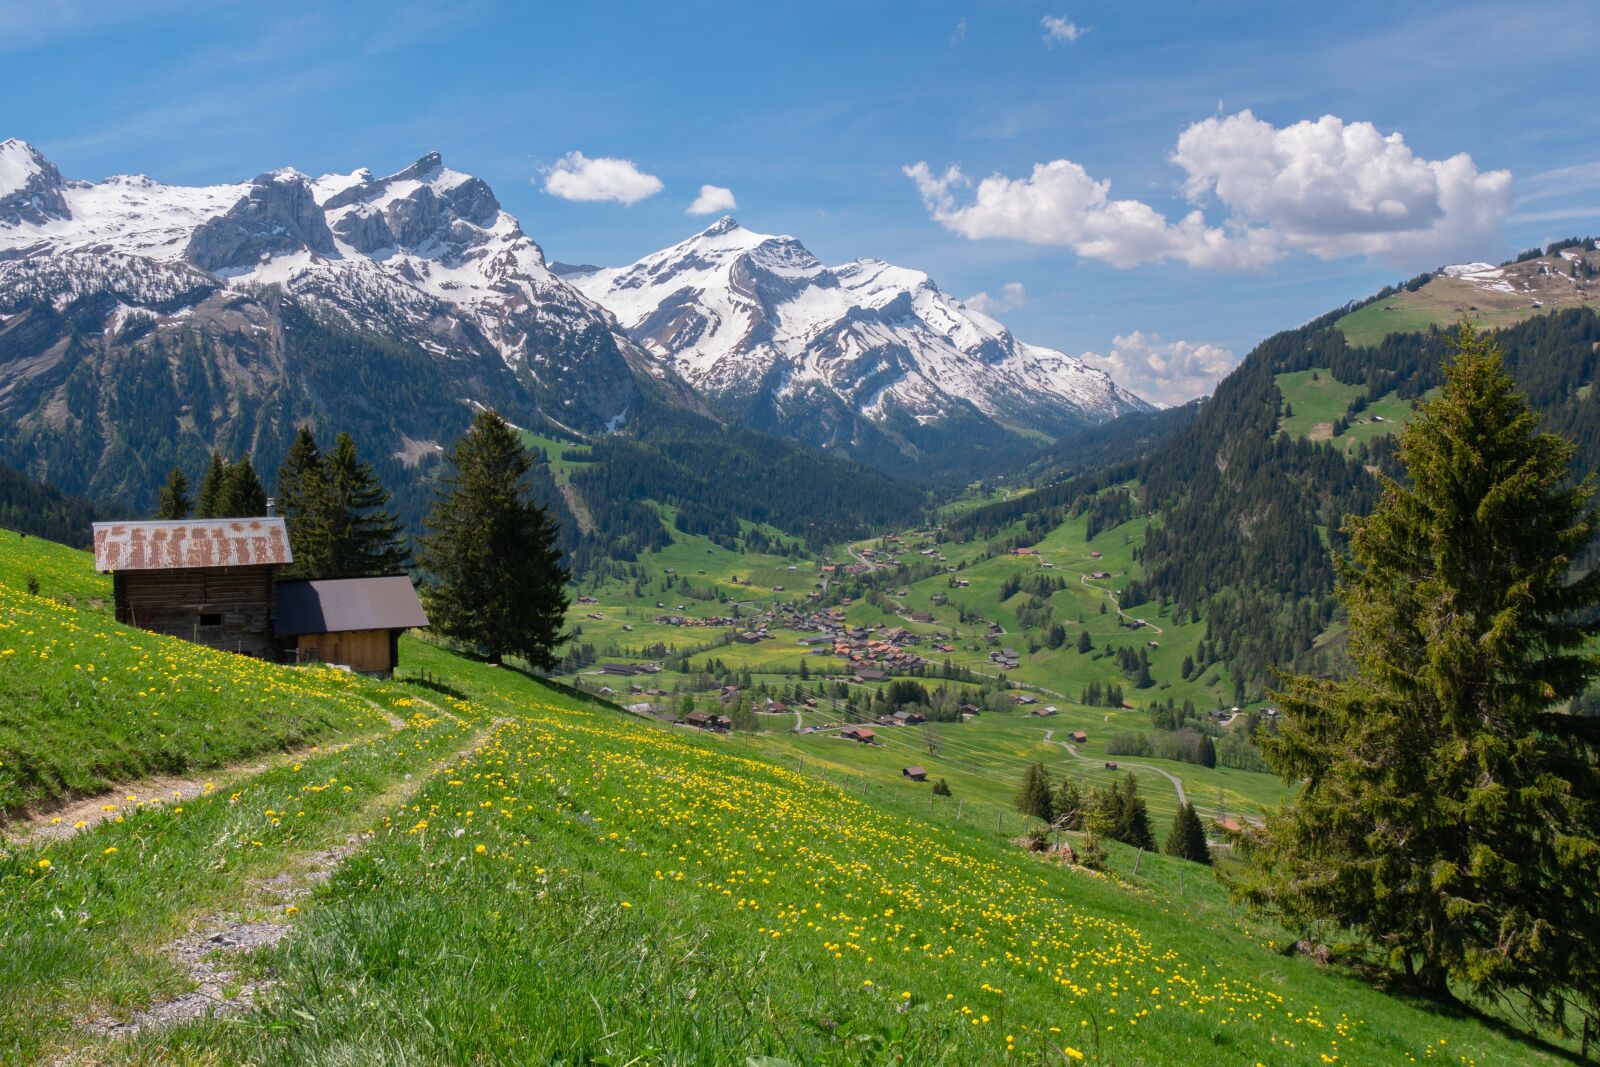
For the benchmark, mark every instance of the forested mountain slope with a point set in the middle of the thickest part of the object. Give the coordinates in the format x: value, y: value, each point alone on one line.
x: 1247, y: 511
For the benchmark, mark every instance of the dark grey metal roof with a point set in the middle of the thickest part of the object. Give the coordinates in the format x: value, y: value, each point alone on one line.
x: 329, y: 605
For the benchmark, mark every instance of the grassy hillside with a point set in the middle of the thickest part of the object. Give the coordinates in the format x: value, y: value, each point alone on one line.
x: 1492, y: 298
x: 507, y: 874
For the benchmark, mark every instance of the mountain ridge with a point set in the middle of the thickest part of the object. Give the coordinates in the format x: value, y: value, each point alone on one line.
x: 864, y: 357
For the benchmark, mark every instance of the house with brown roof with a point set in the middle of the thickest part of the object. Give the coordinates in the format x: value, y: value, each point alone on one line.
x: 916, y: 774
x: 210, y: 581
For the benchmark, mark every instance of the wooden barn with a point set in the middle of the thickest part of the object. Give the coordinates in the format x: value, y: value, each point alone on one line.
x: 210, y: 581
x: 353, y: 622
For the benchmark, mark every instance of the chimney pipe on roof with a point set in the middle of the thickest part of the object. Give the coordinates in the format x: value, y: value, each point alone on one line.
x: 272, y: 507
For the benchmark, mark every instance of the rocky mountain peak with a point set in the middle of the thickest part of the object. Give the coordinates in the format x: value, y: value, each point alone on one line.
x: 30, y: 186
x: 278, y: 215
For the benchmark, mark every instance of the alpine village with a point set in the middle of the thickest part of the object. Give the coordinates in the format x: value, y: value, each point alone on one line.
x: 418, y: 649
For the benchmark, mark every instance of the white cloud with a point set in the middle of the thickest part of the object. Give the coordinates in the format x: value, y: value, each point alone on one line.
x: 959, y: 34
x: 1329, y: 188
x: 1012, y: 296
x: 1060, y: 204
x: 577, y: 177
x: 1164, y: 372
x: 1060, y: 30
x: 712, y: 199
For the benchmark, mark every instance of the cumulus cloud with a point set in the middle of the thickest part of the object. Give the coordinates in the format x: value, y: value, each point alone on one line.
x: 1060, y: 204
x: 1164, y: 372
x: 1059, y: 30
x: 1328, y: 187
x: 712, y: 199
x: 1012, y: 296
x: 577, y: 177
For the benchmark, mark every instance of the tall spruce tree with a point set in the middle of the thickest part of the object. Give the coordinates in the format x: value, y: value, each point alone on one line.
x: 1187, y: 838
x: 1448, y: 813
x: 365, y: 536
x: 302, y: 500
x: 1033, y: 796
x: 1132, y: 823
x: 173, y: 501
x: 211, y: 488
x: 497, y: 578
x: 242, y: 495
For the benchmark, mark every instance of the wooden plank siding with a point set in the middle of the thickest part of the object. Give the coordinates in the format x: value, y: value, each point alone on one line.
x: 228, y: 608
x: 366, y: 651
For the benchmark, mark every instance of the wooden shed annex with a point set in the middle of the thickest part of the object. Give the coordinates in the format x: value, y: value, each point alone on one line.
x: 353, y: 622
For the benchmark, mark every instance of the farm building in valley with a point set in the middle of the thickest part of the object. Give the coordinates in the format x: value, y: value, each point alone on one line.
x: 210, y: 581
x: 354, y: 622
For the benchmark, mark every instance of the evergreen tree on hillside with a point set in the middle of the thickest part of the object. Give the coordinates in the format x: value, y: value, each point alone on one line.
x: 1449, y: 814
x: 300, y: 498
x: 1033, y: 796
x: 365, y: 536
x: 242, y: 494
x: 173, y: 501
x: 335, y: 508
x: 1187, y: 838
x: 1132, y: 823
x: 211, y: 488
x: 497, y: 578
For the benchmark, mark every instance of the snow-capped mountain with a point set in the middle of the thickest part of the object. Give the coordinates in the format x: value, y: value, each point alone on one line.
x: 394, y: 305
x: 759, y: 324
x: 424, y: 256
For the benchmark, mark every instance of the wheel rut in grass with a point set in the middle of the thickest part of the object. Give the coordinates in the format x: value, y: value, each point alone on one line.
x: 67, y: 820
x: 208, y: 954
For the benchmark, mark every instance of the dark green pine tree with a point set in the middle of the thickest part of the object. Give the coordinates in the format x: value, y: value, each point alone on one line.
x: 211, y: 488
x: 1085, y: 642
x: 1132, y: 824
x: 1187, y: 838
x: 1033, y: 796
x: 242, y: 494
x: 365, y: 537
x: 302, y: 500
x: 497, y: 578
x: 173, y: 501
x: 1448, y: 810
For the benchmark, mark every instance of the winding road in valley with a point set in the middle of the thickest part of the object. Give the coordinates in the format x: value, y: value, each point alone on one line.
x: 1177, y: 783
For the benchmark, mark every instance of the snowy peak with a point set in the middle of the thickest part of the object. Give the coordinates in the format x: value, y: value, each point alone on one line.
x: 759, y: 321
x: 31, y: 188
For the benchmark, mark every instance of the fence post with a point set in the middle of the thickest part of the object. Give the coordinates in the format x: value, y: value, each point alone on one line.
x: 1136, y: 861
x: 959, y: 805
x: 997, y: 822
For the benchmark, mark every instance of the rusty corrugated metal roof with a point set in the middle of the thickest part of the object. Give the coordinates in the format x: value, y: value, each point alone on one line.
x: 332, y: 605
x: 183, y: 543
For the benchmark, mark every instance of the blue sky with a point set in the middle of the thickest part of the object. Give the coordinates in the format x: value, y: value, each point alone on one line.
x: 811, y: 114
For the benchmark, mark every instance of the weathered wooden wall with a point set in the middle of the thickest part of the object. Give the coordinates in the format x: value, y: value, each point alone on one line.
x: 368, y: 651
x: 173, y: 601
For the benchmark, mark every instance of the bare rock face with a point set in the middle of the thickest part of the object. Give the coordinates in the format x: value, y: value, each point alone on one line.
x: 365, y: 230
x: 278, y: 215
x: 30, y: 186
